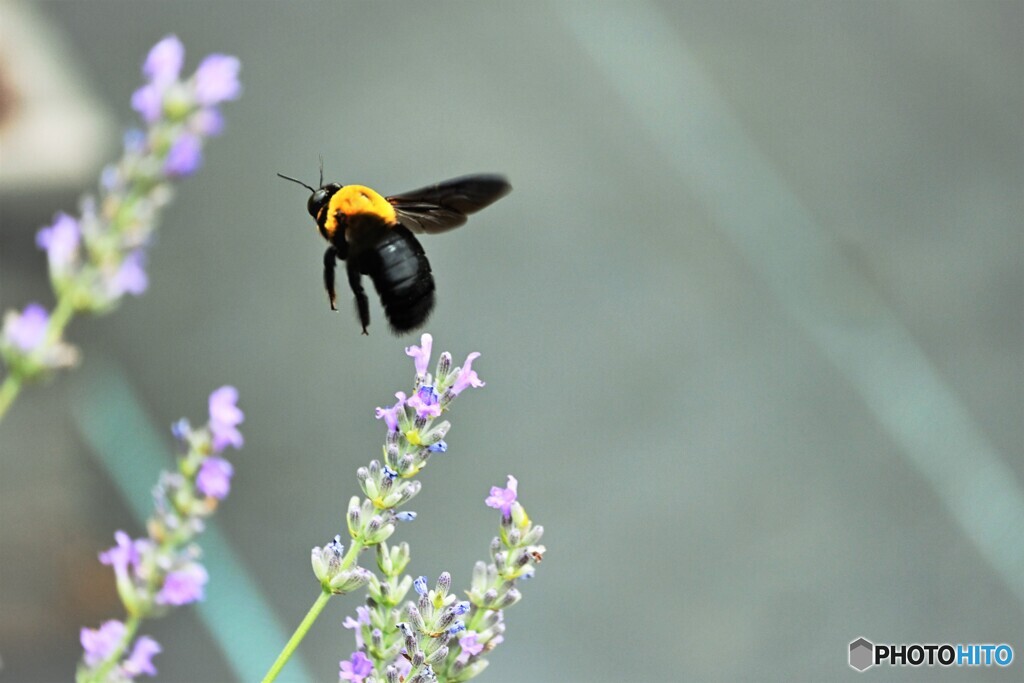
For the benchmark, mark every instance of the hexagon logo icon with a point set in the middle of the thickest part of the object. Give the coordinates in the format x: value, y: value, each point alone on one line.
x: 862, y: 654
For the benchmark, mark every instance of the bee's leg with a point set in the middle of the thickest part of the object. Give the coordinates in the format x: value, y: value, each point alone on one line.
x: 330, y: 258
x: 362, y: 303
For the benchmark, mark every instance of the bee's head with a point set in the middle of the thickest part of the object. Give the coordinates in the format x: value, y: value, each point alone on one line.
x: 319, y: 199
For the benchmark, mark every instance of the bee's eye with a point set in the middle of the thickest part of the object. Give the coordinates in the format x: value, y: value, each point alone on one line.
x: 316, y: 200
x: 320, y: 197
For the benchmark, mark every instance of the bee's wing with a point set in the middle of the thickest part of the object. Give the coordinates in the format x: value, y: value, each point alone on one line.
x: 445, y: 205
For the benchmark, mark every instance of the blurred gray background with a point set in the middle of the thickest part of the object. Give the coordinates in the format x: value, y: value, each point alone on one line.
x: 751, y: 326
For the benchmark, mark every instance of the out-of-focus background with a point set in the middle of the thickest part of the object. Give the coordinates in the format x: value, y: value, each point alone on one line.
x: 752, y: 326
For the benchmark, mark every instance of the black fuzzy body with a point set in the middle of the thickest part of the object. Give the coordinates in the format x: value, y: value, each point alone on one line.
x: 373, y: 234
x: 395, y: 261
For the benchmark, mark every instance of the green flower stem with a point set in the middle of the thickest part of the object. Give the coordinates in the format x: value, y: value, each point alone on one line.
x: 13, y: 383
x: 310, y: 618
x: 297, y: 637
x: 60, y: 318
x: 9, y: 391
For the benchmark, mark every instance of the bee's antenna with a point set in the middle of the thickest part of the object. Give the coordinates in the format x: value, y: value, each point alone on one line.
x: 279, y: 175
x: 321, y: 169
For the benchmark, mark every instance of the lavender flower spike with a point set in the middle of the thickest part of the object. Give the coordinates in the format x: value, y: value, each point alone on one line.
x: 99, y: 256
x: 156, y: 573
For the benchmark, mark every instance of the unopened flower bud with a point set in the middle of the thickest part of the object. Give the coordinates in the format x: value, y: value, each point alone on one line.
x: 415, y: 618
x: 533, y: 535
x: 444, y: 583
x: 349, y: 580
x: 511, y: 597
x: 438, y: 655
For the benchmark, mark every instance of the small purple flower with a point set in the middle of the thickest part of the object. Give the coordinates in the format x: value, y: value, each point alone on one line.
x: 27, y: 330
x: 102, y: 642
x: 131, y: 276
x: 467, y: 376
x: 148, y: 101
x: 503, y: 498
x: 420, y: 584
x: 127, y: 553
x: 362, y: 619
x: 216, y: 79
x: 356, y: 668
x: 141, y: 659
x: 426, y: 402
x: 214, y: 477
x: 406, y: 516
x: 390, y: 415
x: 421, y: 354
x: 110, y: 177
x: 185, y: 156
x: 164, y: 61
x: 470, y: 646
x: 208, y: 122
x: 458, y: 627
x: 181, y: 429
x: 404, y: 667
x: 60, y: 240
x: 183, y: 586
x: 225, y: 417
x: 134, y: 141
x: 439, y: 447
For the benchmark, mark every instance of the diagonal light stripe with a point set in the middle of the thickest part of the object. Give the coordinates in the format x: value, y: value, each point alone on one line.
x: 128, y: 446
x: 635, y: 48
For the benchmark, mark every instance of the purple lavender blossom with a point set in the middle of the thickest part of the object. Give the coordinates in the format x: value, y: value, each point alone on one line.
x: 425, y: 402
x: 467, y: 376
x: 183, y: 586
x: 164, y: 61
x: 181, y: 429
x: 208, y: 121
x: 503, y: 498
x: 110, y: 178
x: 470, y: 646
x: 185, y: 156
x: 141, y: 659
x: 420, y: 584
x: 60, y: 240
x: 27, y: 331
x: 405, y: 516
x: 214, y: 477
x: 100, y: 643
x: 126, y: 554
x: 439, y: 447
x: 131, y: 276
x: 356, y: 668
x: 362, y: 619
x: 390, y: 415
x: 404, y: 667
x: 421, y: 354
x: 216, y: 80
x: 225, y: 417
x: 148, y: 101
x: 134, y: 141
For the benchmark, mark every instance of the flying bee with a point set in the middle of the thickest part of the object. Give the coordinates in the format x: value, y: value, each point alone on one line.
x: 373, y: 234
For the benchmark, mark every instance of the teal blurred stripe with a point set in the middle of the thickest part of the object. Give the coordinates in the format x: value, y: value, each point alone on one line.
x: 634, y: 46
x: 126, y: 443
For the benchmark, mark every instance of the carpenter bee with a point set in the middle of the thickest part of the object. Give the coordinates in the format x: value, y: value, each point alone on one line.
x: 373, y: 234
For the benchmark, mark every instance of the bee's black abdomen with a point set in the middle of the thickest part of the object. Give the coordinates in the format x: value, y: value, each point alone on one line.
x: 401, y: 274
